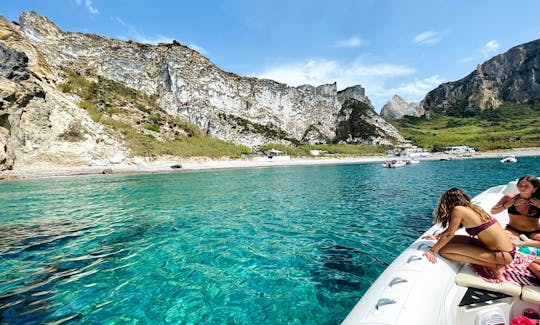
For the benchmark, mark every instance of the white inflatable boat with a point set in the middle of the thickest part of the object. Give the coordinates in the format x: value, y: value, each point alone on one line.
x: 414, y: 291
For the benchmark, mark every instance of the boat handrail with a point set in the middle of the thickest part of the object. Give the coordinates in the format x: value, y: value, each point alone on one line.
x: 413, y: 258
x: 383, y: 302
x: 397, y: 280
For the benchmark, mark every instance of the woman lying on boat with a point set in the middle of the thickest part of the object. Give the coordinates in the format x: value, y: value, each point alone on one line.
x: 487, y: 243
x: 523, y: 209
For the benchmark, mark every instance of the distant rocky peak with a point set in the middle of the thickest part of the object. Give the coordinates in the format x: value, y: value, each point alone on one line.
x: 508, y: 77
x: 397, y: 107
x: 355, y: 92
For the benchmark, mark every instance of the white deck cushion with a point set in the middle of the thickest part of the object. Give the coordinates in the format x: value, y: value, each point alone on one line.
x: 531, y: 293
x: 466, y: 277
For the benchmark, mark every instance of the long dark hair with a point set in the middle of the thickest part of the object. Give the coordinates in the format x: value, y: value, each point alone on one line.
x: 535, y: 182
x: 452, y: 198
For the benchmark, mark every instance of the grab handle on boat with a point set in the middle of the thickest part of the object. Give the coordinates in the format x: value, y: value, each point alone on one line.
x: 396, y: 281
x: 413, y: 258
x: 384, y: 301
x: 422, y: 246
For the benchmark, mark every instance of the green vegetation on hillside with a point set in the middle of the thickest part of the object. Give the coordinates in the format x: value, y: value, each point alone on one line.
x: 508, y: 126
x: 146, y: 128
x: 347, y: 150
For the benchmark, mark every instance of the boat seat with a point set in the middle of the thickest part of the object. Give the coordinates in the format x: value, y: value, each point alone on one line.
x: 511, y: 188
x: 531, y: 293
x: 466, y: 277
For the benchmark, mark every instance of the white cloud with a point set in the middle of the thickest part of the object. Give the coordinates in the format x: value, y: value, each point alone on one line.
x: 373, y: 77
x: 428, y: 38
x: 133, y: 34
x: 88, y: 4
x: 120, y: 21
x: 466, y: 59
x: 152, y: 39
x: 418, y: 88
x: 320, y: 71
x: 197, y: 48
x: 490, y: 48
x: 413, y: 91
x: 312, y: 72
x: 351, y: 42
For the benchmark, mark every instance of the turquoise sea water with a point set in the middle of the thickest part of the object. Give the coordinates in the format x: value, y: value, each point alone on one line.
x: 282, y: 245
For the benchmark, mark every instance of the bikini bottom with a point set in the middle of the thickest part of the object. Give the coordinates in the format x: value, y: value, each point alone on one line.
x: 512, y: 252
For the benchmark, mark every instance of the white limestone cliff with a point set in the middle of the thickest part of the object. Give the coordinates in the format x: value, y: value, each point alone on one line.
x: 242, y: 110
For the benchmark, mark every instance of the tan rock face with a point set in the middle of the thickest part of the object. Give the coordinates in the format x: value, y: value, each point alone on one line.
x: 511, y: 76
x: 34, y: 115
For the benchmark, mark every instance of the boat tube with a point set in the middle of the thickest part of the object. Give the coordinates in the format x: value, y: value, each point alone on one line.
x: 414, y: 291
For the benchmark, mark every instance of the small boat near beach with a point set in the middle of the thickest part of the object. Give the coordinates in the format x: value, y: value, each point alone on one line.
x: 394, y: 163
x: 412, y: 161
x: 273, y: 155
x: 509, y: 159
x: 414, y: 291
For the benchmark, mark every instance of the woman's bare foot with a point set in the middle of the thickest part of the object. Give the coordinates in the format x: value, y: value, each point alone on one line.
x: 534, y: 267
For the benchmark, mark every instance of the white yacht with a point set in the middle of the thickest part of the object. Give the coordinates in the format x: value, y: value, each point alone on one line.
x: 509, y: 159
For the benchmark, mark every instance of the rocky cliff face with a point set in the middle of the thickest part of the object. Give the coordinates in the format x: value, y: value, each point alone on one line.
x: 398, y: 107
x: 512, y: 76
x: 242, y: 110
x: 36, y: 120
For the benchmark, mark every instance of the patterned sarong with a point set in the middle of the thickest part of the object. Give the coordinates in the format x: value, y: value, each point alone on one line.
x: 516, y: 272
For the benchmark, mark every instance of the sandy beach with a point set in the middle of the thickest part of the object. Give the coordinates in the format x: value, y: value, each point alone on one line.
x: 163, y: 164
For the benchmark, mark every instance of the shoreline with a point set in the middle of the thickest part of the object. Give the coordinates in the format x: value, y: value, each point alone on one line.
x: 163, y: 164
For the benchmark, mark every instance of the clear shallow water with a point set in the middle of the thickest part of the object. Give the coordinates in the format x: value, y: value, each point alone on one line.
x: 264, y: 245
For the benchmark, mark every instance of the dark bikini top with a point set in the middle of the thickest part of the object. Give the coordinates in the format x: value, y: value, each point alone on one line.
x: 533, y: 213
x: 473, y: 231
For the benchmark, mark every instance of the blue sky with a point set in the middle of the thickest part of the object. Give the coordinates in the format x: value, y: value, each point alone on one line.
x: 402, y: 47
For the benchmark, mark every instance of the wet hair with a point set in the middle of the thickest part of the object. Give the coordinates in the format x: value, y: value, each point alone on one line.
x: 452, y: 198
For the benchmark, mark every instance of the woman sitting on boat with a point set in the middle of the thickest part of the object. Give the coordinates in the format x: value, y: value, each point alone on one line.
x: 487, y: 243
x: 523, y: 209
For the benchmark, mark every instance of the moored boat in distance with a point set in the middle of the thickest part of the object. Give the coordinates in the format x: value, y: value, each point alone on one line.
x: 415, y: 152
x: 509, y: 159
x: 460, y: 152
x: 273, y: 155
x: 412, y: 161
x: 393, y: 163
x: 414, y: 291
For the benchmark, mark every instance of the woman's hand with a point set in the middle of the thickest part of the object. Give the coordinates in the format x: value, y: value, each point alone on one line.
x: 510, y: 202
x: 504, y: 203
x: 430, y: 256
x: 430, y: 237
x: 535, y: 202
